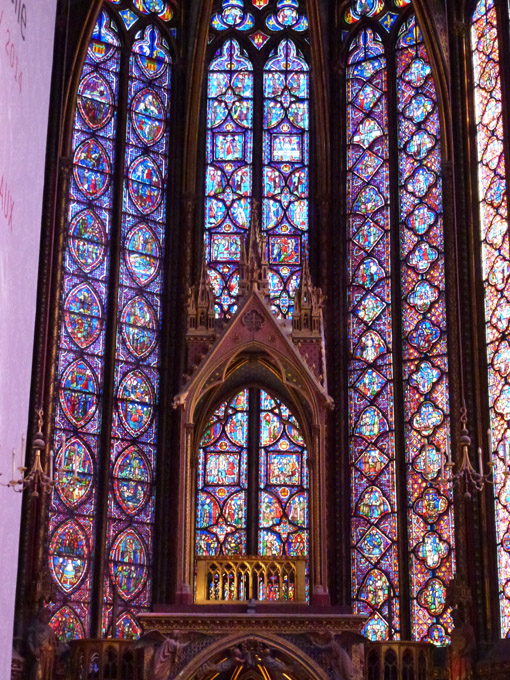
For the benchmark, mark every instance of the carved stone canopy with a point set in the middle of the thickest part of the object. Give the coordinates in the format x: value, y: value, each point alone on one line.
x: 254, y: 347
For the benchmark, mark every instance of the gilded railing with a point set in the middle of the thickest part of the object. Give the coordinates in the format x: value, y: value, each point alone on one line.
x: 233, y: 580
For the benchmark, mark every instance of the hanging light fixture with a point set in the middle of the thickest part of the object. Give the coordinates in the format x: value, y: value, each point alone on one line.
x: 39, y: 478
x: 467, y: 477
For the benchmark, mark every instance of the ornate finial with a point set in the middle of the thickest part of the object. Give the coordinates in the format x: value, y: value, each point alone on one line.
x: 253, y: 265
x: 205, y: 290
x: 255, y: 249
x: 306, y: 278
x: 201, y: 300
x: 306, y: 319
x: 38, y: 442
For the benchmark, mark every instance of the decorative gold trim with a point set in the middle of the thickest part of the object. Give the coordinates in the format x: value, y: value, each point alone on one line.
x: 219, y: 623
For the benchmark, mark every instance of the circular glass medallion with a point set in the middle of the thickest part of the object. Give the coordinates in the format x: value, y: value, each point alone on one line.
x: 135, y: 400
x: 75, y: 471
x: 148, y: 116
x: 95, y: 101
x: 131, y: 480
x: 91, y: 168
x: 142, y: 254
x: 78, y: 393
x: 68, y: 555
x: 145, y: 184
x: 82, y: 313
x: 87, y: 240
x: 128, y: 564
x: 139, y: 326
x: 236, y: 428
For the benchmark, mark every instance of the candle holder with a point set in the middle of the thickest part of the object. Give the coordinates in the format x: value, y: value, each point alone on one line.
x: 466, y: 476
x: 38, y: 479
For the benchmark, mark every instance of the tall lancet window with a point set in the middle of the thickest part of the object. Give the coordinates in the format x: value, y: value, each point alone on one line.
x: 398, y: 380
x: 487, y: 39
x: 244, y: 165
x: 102, y: 510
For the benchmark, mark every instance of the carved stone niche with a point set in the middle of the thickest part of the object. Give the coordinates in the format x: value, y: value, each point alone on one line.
x: 303, y: 639
x: 255, y: 348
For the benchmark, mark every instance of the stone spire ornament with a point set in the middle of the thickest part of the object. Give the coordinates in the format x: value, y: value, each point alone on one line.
x: 201, y: 299
x: 306, y: 319
x: 253, y: 264
x: 201, y: 317
x: 307, y: 332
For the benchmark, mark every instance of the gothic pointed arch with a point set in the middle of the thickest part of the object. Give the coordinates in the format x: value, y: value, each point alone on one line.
x: 266, y: 649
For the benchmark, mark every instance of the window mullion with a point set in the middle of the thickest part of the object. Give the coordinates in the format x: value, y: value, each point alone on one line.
x: 257, y: 131
x: 404, y: 627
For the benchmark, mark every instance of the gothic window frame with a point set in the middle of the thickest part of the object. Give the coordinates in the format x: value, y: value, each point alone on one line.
x: 389, y: 37
x: 255, y: 447
x: 258, y: 58
x: 98, y: 614
x: 493, y: 436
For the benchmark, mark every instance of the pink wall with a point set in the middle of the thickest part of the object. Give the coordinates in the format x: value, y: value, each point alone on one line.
x: 26, y: 52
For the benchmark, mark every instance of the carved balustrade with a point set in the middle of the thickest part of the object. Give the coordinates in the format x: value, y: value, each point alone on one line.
x: 105, y: 660
x: 234, y: 580
x: 400, y: 661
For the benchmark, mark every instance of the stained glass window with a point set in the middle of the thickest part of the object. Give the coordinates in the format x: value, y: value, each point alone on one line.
x: 82, y: 414
x: 285, y: 182
x: 134, y: 432
x: 375, y: 552
x: 223, y: 481
x: 252, y: 433
x: 425, y: 364
x: 281, y: 181
x: 377, y: 326
x: 283, y: 482
x: 229, y: 168
x: 496, y: 263
x: 82, y: 335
